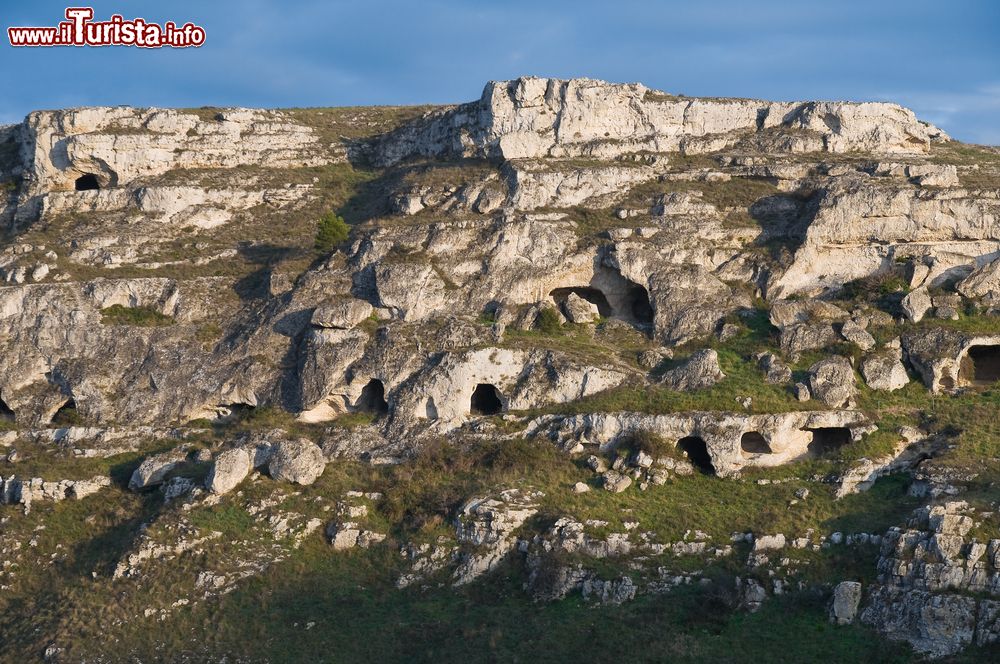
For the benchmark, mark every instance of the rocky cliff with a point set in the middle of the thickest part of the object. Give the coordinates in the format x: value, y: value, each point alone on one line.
x: 645, y: 296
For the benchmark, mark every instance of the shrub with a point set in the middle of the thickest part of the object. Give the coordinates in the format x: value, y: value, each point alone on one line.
x: 134, y: 316
x: 548, y: 321
x: 332, y: 231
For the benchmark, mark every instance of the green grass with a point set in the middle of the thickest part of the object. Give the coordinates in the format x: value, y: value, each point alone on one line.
x: 134, y: 317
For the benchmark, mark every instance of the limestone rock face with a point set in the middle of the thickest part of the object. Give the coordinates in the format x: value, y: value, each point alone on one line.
x: 121, y: 144
x: 832, y: 381
x: 341, y: 313
x: 488, y: 524
x: 297, y: 461
x: 787, y: 435
x: 530, y: 118
x: 927, y: 573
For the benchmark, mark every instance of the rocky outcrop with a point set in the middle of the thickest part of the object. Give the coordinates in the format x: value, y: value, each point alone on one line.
x: 787, y: 436
x: 487, y: 526
x: 941, y: 356
x: 530, y: 118
x: 926, y: 573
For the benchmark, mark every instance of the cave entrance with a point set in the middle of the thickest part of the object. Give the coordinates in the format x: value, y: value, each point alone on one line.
x: 638, y: 305
x: 372, y: 399
x: 67, y: 415
x: 827, y: 439
x: 87, y: 182
x: 696, y: 450
x: 234, y: 412
x: 486, y: 400
x: 593, y: 295
x: 980, y: 366
x: 6, y: 414
x: 753, y: 442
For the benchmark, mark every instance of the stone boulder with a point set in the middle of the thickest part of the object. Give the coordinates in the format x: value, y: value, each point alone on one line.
x: 230, y: 468
x: 153, y: 470
x: 832, y: 381
x: 299, y: 461
x: 776, y: 372
x: 857, y: 335
x: 983, y: 281
x: 701, y: 371
x: 916, y: 304
x: 846, y: 599
x: 884, y: 372
x: 579, y: 310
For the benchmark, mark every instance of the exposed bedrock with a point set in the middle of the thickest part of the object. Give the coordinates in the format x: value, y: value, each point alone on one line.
x: 535, y: 117
x: 718, y: 442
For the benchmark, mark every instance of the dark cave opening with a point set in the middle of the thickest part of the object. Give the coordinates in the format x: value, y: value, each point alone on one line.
x: 696, y: 450
x: 372, y: 399
x: 752, y: 442
x: 486, y: 400
x: 827, y: 439
x: 981, y: 365
x: 67, y: 415
x: 87, y: 182
x: 593, y: 295
x: 637, y: 301
x: 6, y: 413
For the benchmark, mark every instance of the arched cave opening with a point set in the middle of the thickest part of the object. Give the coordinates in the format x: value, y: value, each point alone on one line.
x: 486, y: 400
x: 753, y: 442
x: 696, y: 450
x: 637, y: 301
x: 828, y: 439
x: 67, y: 415
x: 981, y: 365
x: 372, y: 399
x: 6, y: 414
x: 593, y: 295
x: 87, y: 182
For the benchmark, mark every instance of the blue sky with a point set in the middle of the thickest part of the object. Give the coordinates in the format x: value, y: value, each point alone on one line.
x: 940, y: 58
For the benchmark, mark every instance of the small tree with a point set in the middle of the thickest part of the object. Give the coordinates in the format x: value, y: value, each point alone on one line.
x: 331, y: 231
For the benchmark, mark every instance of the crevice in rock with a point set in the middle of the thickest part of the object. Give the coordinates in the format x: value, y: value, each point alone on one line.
x: 696, y: 450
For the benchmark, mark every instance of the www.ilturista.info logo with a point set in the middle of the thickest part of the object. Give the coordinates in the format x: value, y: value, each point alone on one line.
x: 79, y: 29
